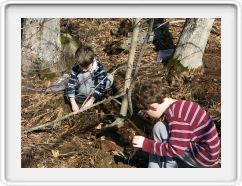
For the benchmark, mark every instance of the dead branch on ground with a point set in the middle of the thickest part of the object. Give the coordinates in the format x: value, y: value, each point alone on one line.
x: 70, y: 114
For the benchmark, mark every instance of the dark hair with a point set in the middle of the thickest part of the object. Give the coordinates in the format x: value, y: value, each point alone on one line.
x: 147, y: 92
x: 84, y: 56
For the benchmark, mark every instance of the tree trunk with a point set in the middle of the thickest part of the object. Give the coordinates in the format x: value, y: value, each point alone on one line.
x: 41, y: 47
x: 143, y: 48
x: 192, y: 42
x: 124, y: 107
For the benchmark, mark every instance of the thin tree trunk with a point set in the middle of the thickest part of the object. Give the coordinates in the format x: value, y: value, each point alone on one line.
x: 151, y: 24
x: 124, y: 107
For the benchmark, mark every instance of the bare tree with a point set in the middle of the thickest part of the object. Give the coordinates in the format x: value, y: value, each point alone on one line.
x: 192, y: 43
x: 40, y: 44
x: 124, y: 107
x: 138, y: 64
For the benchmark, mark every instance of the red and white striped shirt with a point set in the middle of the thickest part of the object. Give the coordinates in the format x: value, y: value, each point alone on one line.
x: 190, y: 129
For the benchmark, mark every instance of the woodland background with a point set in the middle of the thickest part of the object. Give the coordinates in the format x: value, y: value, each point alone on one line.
x: 96, y: 137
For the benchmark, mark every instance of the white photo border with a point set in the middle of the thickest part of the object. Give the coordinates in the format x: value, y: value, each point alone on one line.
x: 52, y: 179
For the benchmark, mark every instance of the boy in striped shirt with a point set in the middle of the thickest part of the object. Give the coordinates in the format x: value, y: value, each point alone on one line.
x: 87, y: 77
x: 187, y: 134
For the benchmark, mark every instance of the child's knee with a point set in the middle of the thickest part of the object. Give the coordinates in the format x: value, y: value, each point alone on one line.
x: 110, y: 80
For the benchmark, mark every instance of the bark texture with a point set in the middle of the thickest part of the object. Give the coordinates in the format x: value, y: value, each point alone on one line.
x: 41, y: 47
x: 124, y: 107
x: 192, y: 42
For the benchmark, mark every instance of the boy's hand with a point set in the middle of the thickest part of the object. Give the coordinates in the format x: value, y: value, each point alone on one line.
x: 89, y: 102
x: 74, y: 105
x: 138, y: 141
x: 75, y: 108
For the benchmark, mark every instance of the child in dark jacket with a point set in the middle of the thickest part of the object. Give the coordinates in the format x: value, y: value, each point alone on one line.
x: 187, y: 132
x: 87, y: 77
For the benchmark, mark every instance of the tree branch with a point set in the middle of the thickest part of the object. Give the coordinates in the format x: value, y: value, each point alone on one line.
x: 89, y: 95
x: 70, y: 114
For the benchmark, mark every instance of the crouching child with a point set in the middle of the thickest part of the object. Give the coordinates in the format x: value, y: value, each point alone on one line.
x: 186, y: 136
x: 88, y: 79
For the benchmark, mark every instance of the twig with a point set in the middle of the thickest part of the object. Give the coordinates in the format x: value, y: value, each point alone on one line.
x: 138, y: 65
x: 143, y: 47
x: 117, y: 101
x: 68, y: 154
x: 71, y: 114
x: 89, y: 95
x: 36, y: 118
x: 34, y: 89
x: 139, y: 131
x: 178, y: 21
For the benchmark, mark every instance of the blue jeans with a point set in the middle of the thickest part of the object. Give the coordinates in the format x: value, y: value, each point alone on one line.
x: 160, y: 133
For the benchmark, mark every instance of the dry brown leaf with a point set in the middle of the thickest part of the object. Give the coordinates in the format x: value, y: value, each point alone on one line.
x: 47, y: 83
x: 66, y: 129
x: 109, y: 145
x: 99, y: 126
x: 92, y: 161
x: 55, y: 153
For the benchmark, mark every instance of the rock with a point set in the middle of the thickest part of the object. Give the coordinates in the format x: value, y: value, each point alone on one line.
x: 60, y: 84
x: 69, y: 45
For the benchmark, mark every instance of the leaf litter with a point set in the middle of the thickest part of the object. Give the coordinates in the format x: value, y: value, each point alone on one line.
x: 75, y: 143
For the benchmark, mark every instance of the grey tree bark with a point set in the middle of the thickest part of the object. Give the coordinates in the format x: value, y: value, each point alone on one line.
x: 41, y: 46
x: 143, y: 48
x: 124, y: 107
x: 192, y: 42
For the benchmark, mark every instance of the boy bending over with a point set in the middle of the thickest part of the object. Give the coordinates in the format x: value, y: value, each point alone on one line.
x: 87, y: 77
x: 187, y: 133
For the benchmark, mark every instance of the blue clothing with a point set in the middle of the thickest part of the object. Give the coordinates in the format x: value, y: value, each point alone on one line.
x: 160, y: 133
x: 97, y: 75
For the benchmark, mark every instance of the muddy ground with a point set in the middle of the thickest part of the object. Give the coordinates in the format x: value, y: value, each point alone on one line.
x: 79, y: 141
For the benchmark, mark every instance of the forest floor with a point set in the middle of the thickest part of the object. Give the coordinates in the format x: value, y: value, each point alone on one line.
x: 79, y: 141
